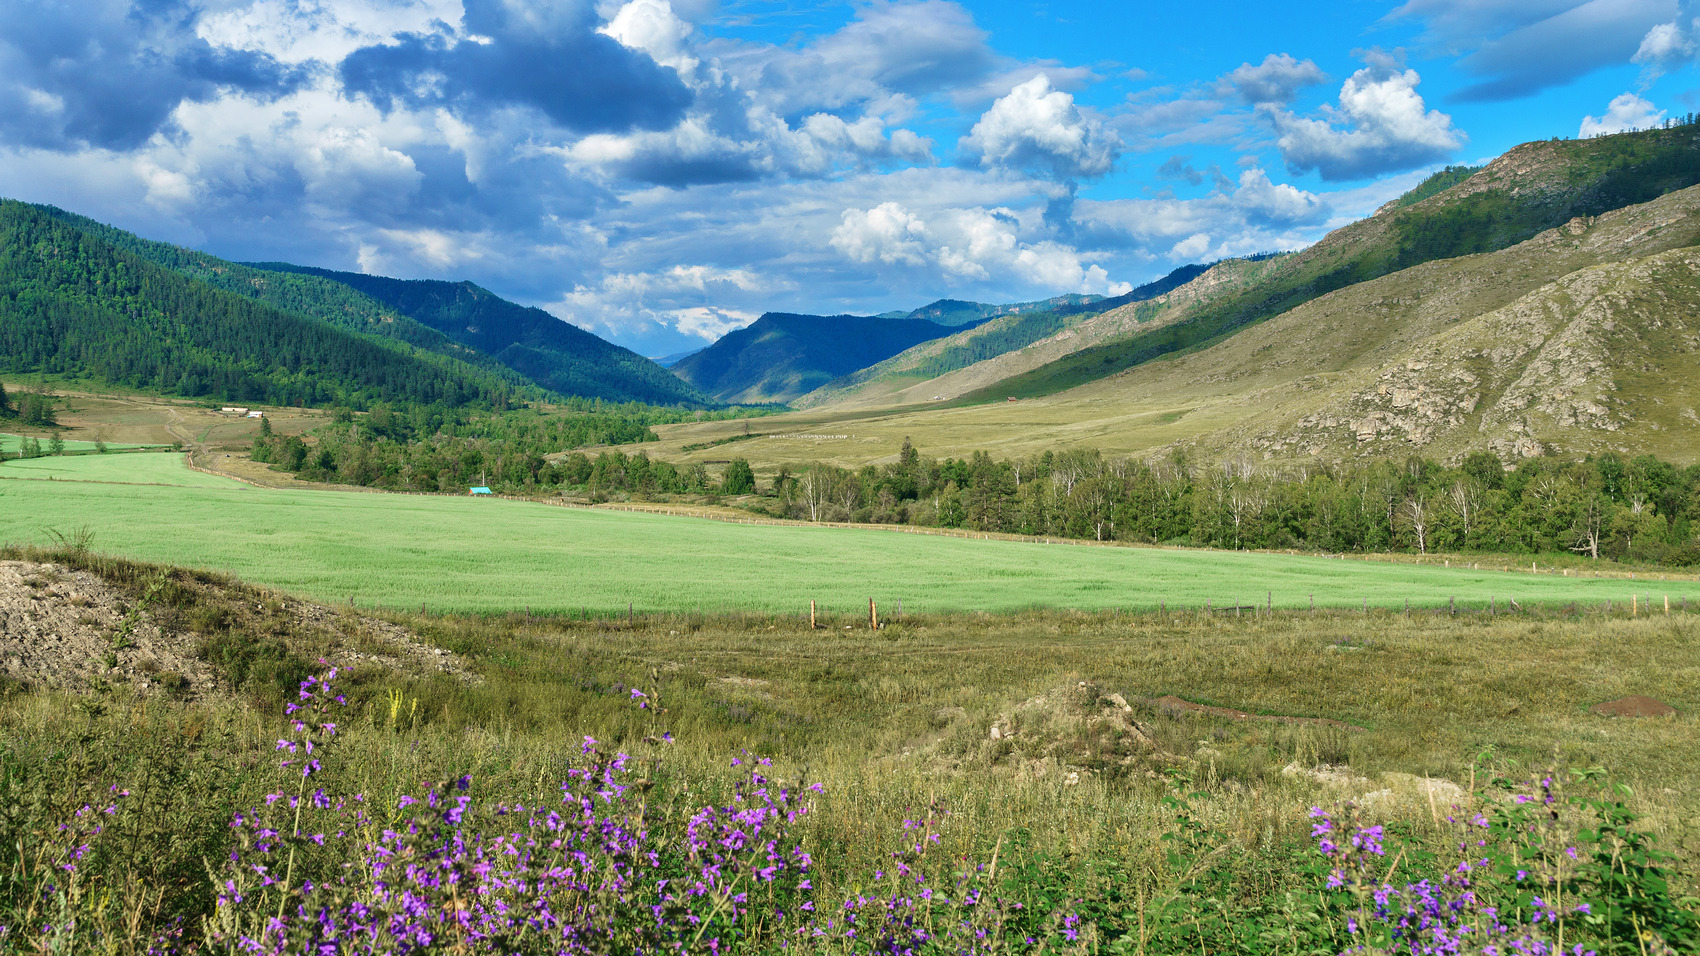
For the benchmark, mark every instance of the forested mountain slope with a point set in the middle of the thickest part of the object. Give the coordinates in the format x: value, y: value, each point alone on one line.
x: 74, y: 303
x: 555, y: 354
x: 783, y: 355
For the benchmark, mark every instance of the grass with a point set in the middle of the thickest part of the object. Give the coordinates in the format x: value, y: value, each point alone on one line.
x: 894, y: 725
x: 10, y: 444
x: 466, y: 555
x: 129, y: 469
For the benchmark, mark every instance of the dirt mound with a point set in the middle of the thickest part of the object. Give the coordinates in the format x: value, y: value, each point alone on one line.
x: 70, y: 630
x: 1079, y: 729
x: 1634, y: 706
x: 1176, y: 705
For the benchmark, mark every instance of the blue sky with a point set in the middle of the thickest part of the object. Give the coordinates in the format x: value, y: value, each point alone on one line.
x: 662, y: 172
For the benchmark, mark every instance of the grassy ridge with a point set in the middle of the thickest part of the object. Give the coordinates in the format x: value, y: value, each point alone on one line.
x: 1582, y: 178
x: 460, y: 554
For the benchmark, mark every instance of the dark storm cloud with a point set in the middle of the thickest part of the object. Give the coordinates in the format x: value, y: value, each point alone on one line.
x: 581, y: 80
x: 111, y: 75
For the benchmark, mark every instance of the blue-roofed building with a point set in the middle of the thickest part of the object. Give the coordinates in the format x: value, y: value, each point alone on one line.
x: 481, y: 491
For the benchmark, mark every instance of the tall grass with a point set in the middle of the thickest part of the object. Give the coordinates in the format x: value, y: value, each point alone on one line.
x: 1199, y: 838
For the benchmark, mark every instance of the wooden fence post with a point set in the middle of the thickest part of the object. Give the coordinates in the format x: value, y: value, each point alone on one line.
x: 1452, y: 606
x: 811, y: 615
x: 873, y: 616
x: 1269, y: 605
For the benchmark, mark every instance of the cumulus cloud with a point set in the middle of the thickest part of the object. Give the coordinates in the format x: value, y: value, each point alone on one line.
x: 506, y: 56
x: 110, y: 73
x: 1381, y: 125
x: 1277, y: 79
x: 651, y: 26
x: 676, y: 299
x: 973, y: 245
x: 887, y: 233
x: 1251, y: 215
x: 1038, y: 128
x: 1670, y: 45
x: 1520, y: 47
x: 1626, y: 112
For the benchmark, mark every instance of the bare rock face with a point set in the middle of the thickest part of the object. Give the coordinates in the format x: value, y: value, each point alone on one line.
x: 1634, y: 706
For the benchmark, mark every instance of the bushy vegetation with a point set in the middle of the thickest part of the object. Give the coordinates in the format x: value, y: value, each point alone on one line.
x: 1640, y: 509
x: 435, y: 448
x: 1436, y: 184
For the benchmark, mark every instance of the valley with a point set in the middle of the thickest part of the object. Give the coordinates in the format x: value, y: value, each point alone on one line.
x: 1084, y: 624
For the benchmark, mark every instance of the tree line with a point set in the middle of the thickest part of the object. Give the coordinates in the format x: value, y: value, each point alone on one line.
x: 441, y: 449
x: 1608, y: 506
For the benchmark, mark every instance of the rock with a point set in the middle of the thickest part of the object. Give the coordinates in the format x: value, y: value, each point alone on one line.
x: 1634, y: 706
x: 1120, y: 702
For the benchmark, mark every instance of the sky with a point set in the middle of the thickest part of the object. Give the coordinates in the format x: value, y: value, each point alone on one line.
x: 661, y: 173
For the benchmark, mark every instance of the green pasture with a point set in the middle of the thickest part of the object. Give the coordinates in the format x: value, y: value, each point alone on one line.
x: 10, y: 444
x: 465, y: 554
x: 151, y: 468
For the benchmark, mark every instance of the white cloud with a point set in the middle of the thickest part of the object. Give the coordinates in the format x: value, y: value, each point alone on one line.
x: 650, y: 26
x: 1276, y: 80
x: 708, y: 322
x: 1627, y: 111
x: 296, y: 31
x: 974, y: 245
x: 1670, y: 45
x: 1192, y: 247
x: 1380, y: 126
x: 1039, y: 128
x: 887, y: 233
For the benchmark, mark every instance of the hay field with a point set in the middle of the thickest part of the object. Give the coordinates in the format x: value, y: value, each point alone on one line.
x: 490, y: 556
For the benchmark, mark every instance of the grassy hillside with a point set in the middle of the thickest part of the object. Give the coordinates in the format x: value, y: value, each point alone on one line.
x: 73, y: 303
x: 1532, y: 188
x: 1578, y: 340
x: 557, y: 355
x: 781, y: 355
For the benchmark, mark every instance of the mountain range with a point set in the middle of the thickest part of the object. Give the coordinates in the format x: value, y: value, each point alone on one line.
x: 1546, y: 302
x: 83, y: 299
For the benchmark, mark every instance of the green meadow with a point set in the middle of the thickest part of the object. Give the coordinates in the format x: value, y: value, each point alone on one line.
x: 12, y: 444
x: 471, y: 555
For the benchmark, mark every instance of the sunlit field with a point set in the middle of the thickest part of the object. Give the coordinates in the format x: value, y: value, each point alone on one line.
x: 479, y: 555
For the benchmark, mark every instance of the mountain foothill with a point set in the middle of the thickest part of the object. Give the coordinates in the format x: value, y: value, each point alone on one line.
x: 1547, y: 302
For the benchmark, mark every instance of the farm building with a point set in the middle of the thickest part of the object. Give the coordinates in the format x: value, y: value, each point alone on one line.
x: 480, y: 491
